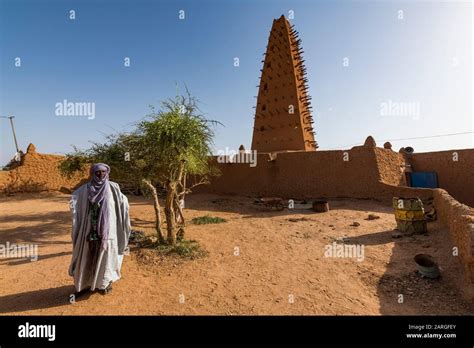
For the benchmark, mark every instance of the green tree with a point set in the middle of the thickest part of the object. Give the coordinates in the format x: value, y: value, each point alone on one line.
x: 169, y: 149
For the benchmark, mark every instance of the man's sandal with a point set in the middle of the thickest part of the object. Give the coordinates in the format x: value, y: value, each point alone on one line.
x: 107, y: 290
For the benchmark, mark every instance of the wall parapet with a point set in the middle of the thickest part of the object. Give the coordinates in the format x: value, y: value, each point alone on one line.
x: 454, y: 169
x: 459, y: 219
x: 37, y: 172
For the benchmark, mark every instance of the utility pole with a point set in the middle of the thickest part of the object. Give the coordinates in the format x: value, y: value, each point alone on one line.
x: 13, y: 130
x: 14, y: 134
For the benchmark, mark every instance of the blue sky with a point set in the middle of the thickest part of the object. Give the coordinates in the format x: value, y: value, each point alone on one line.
x: 424, y: 58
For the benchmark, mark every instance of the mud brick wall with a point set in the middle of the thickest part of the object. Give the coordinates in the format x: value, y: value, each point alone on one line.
x: 386, y: 192
x: 456, y: 177
x: 37, y: 172
x: 361, y: 172
x: 391, y: 166
x: 309, y: 174
x: 459, y: 219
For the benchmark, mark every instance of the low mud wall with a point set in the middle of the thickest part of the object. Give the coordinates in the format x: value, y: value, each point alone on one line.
x: 455, y: 171
x: 37, y: 172
x: 361, y: 172
x: 351, y: 173
x: 459, y: 219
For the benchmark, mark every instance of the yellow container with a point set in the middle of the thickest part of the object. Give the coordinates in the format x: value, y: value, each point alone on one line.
x: 409, y: 215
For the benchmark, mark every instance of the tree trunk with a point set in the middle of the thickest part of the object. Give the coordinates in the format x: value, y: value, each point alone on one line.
x: 156, y: 205
x: 178, y: 211
x: 180, y: 223
x: 170, y: 214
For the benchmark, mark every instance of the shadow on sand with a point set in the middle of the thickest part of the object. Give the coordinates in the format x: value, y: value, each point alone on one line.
x: 39, y: 299
x: 46, y: 227
x: 16, y: 262
x: 421, y: 296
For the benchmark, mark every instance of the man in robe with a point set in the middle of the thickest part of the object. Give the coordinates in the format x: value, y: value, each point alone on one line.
x: 100, y: 232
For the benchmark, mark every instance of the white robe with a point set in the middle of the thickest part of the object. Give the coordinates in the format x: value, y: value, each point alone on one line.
x: 110, y: 260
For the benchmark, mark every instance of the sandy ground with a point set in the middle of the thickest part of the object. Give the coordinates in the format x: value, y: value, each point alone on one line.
x: 280, y: 267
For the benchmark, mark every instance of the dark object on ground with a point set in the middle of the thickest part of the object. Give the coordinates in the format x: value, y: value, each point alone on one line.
x: 204, y: 220
x: 373, y: 217
x: 298, y: 219
x: 320, y: 206
x: 355, y: 224
x: 396, y: 234
x: 65, y: 190
x: 272, y: 202
x: 427, y: 266
x: 431, y: 215
x: 185, y: 249
x: 136, y: 235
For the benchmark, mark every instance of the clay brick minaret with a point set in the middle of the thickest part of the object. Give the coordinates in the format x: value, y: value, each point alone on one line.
x: 283, y: 113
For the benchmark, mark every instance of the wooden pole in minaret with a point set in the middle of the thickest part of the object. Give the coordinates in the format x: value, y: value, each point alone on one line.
x: 283, y: 119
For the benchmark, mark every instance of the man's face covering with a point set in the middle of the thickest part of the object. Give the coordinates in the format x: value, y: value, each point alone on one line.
x: 101, y: 174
